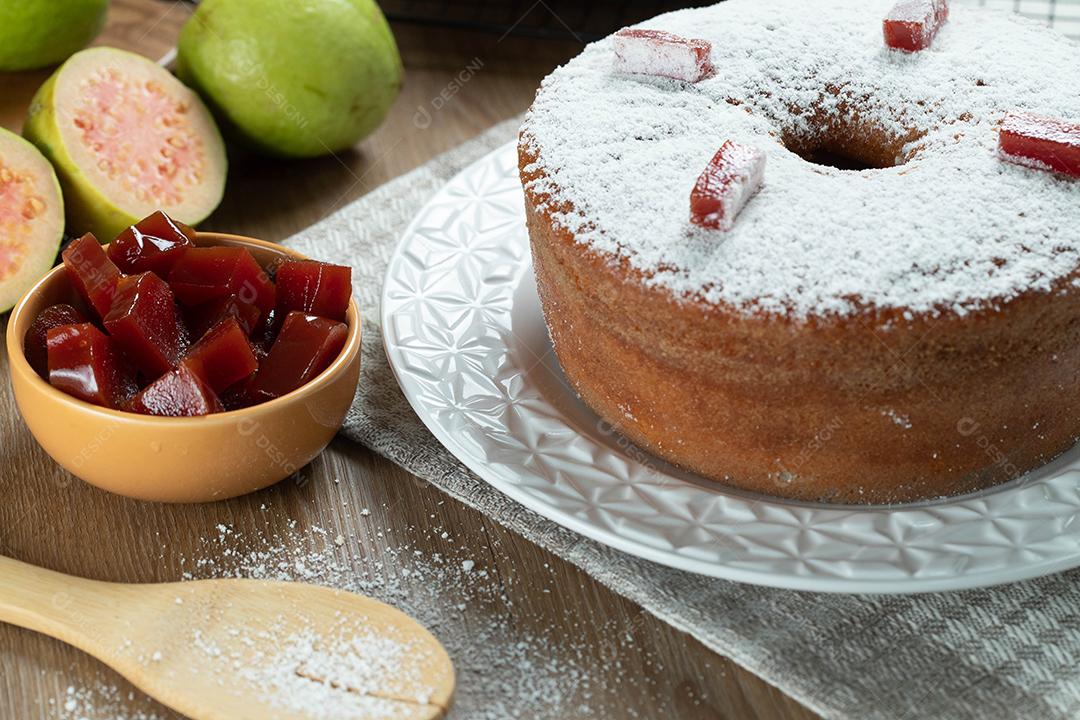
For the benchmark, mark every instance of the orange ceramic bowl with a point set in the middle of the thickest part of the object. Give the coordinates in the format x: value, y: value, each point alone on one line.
x: 181, y: 459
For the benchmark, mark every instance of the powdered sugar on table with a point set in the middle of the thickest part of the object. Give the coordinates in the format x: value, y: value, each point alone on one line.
x: 503, y: 670
x: 951, y: 229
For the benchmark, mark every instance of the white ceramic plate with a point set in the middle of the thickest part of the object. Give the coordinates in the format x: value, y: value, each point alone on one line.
x: 465, y: 336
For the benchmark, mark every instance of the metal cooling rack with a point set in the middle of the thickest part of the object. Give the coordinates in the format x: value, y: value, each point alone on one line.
x: 586, y: 20
x: 580, y: 20
x: 1062, y: 15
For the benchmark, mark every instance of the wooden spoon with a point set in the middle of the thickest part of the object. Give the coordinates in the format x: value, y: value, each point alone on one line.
x: 231, y: 649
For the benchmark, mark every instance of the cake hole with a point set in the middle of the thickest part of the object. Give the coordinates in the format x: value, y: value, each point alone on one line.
x: 840, y: 160
x: 851, y: 154
x: 848, y: 144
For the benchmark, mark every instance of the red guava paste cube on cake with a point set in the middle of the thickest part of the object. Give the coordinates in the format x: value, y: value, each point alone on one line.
x: 154, y: 244
x: 177, y: 393
x: 35, y: 343
x: 731, y: 178
x: 84, y: 363
x: 92, y: 273
x: 203, y: 317
x: 223, y: 356
x: 314, y: 288
x: 655, y: 52
x: 1041, y: 142
x: 211, y: 273
x: 145, y: 324
x: 305, y: 346
x: 912, y: 25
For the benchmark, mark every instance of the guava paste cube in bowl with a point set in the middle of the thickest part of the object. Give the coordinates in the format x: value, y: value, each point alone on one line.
x: 154, y: 244
x: 239, y: 396
x: 201, y: 318
x: 314, y: 288
x: 223, y: 356
x: 145, y: 324
x: 93, y: 275
x: 204, y: 274
x: 35, y: 344
x: 264, y: 335
x: 178, y: 393
x: 84, y: 363
x: 305, y: 347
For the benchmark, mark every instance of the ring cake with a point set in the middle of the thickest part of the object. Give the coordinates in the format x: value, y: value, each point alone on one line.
x: 799, y: 255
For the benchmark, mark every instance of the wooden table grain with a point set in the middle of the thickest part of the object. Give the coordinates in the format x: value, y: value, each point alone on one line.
x: 464, y: 83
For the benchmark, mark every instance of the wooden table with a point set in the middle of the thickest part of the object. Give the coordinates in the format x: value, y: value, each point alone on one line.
x: 639, y: 667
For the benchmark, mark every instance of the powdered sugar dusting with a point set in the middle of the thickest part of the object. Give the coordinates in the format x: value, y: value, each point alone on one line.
x: 308, y: 671
x: 1041, y: 128
x: 923, y: 12
x: 951, y: 229
x: 1027, y: 162
x: 101, y: 702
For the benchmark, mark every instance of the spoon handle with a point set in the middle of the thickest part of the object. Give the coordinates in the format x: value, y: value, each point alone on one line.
x: 48, y: 602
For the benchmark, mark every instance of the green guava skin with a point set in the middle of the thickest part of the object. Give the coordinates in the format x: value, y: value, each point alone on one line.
x: 40, y: 33
x: 294, y: 78
x: 51, y: 243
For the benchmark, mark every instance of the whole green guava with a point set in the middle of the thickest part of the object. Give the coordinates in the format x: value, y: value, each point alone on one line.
x: 39, y: 33
x: 298, y: 78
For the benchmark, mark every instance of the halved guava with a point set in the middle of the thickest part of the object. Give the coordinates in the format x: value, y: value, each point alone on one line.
x: 126, y: 138
x: 31, y: 217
